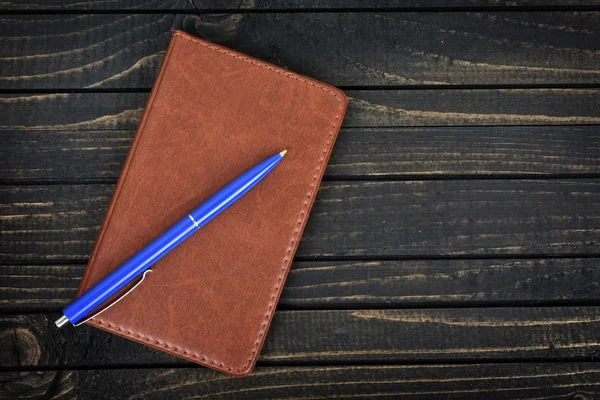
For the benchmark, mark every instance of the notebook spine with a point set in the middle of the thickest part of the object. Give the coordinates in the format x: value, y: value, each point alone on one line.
x: 123, y: 175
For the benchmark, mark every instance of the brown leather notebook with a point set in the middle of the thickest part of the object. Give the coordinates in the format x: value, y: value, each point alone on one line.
x: 214, y: 113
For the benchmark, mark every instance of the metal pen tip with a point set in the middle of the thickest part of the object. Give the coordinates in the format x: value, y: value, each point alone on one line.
x: 283, y: 153
x: 61, y: 321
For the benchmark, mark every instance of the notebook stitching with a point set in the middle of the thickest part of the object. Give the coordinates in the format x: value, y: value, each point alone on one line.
x: 293, y: 242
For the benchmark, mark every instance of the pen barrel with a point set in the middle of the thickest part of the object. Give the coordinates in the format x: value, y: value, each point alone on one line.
x: 129, y: 270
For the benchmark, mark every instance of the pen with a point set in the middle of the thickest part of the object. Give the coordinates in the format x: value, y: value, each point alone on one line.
x: 166, y: 242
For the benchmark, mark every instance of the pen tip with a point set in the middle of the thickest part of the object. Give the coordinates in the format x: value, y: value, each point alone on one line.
x: 283, y: 153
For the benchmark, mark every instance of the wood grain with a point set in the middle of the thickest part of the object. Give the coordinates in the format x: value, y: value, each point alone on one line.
x: 373, y: 284
x: 347, y: 48
x: 249, y: 5
x: 367, y: 108
x: 340, y: 336
x: 574, y: 381
x: 431, y: 218
x: 361, y: 152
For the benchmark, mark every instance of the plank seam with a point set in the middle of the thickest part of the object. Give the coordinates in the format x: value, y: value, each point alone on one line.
x: 318, y: 363
x: 363, y: 258
x: 447, y: 305
x: 342, y: 178
x: 390, y: 87
x: 315, y: 10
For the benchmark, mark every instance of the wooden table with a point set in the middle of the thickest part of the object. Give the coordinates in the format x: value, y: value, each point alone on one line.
x: 453, y: 250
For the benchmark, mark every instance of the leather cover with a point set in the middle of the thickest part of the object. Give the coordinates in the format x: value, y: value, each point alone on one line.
x: 212, y: 114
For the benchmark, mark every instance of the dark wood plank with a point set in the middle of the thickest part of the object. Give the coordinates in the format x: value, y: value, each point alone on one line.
x: 431, y: 152
x: 431, y: 218
x: 377, y: 153
x: 472, y: 107
x: 367, y: 108
x: 248, y: 5
x: 349, y: 48
x: 358, y: 284
x: 573, y: 381
x: 341, y: 336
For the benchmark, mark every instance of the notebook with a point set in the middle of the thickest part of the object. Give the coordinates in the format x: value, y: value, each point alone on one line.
x: 212, y: 114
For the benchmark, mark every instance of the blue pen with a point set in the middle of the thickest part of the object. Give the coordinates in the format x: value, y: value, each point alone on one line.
x: 159, y: 247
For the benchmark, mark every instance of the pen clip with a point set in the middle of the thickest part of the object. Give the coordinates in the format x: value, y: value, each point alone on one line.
x: 116, y: 301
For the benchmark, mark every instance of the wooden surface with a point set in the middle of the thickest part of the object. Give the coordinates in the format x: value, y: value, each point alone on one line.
x: 452, y: 252
x: 342, y: 48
